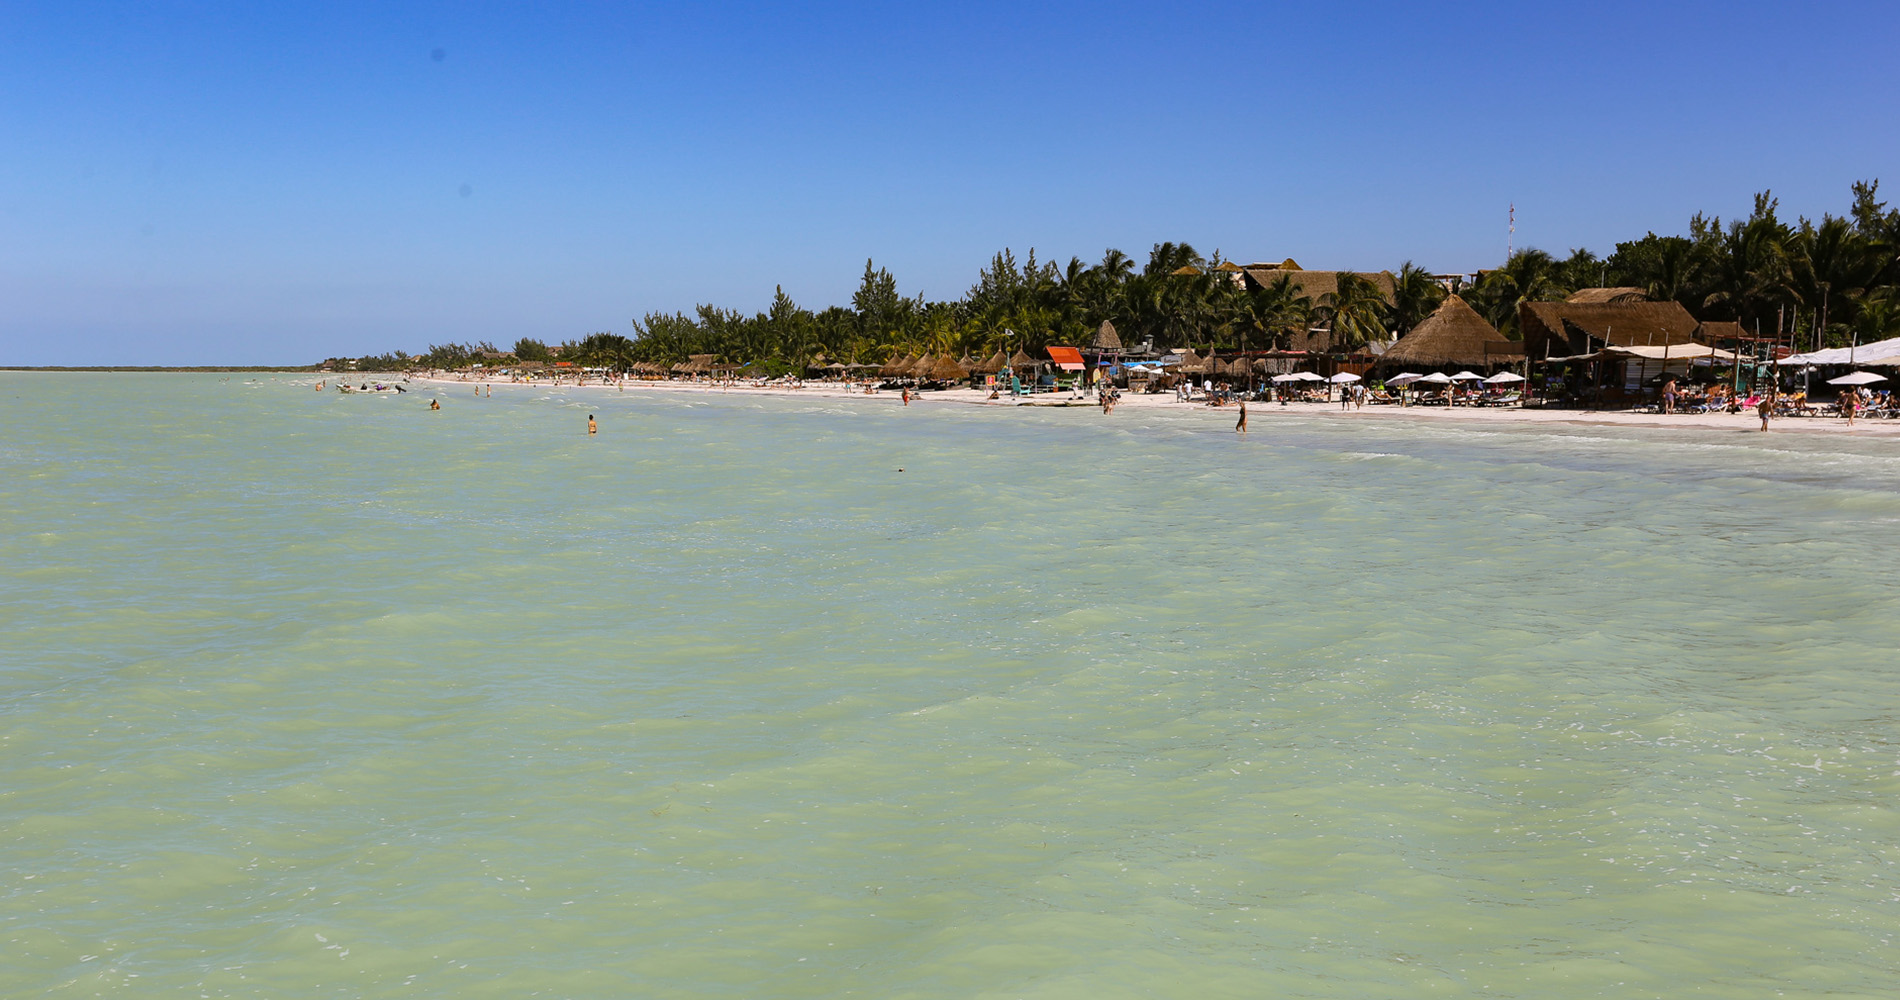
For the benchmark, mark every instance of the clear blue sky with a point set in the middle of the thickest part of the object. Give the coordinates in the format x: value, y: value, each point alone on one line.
x: 257, y: 183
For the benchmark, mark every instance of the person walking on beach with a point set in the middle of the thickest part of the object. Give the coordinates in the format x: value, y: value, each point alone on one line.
x: 1766, y: 407
x: 1849, y: 400
x: 1240, y: 426
x: 1669, y: 396
x: 591, y: 426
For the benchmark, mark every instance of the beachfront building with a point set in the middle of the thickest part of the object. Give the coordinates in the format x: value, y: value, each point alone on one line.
x: 1559, y: 329
x: 1318, y: 338
x: 1454, y: 335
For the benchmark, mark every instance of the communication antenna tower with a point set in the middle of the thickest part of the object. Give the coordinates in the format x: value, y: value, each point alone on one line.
x: 1510, y: 237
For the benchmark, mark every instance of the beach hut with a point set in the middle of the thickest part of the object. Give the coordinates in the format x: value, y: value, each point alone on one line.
x: 1454, y: 334
x: 996, y: 363
x: 895, y: 367
x: 921, y: 367
x: 946, y: 370
x: 1021, y: 360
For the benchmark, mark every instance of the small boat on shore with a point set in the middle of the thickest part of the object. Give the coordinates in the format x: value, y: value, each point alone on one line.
x: 370, y: 387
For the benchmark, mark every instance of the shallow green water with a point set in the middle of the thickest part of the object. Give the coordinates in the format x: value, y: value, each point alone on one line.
x: 305, y: 695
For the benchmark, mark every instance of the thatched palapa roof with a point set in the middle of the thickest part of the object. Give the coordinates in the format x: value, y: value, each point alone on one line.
x: 921, y: 367
x: 1558, y: 329
x: 895, y: 366
x: 1106, y: 339
x: 1190, y: 361
x: 1598, y: 296
x: 1314, y: 284
x: 1454, y: 334
x: 947, y: 370
x: 996, y: 363
x: 1021, y: 360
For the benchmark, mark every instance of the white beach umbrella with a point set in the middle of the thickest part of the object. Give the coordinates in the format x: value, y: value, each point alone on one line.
x: 1404, y: 378
x: 1283, y: 379
x: 1436, y: 378
x: 1308, y: 376
x: 1503, y: 377
x: 1857, y: 378
x: 1343, y: 377
x: 1467, y: 376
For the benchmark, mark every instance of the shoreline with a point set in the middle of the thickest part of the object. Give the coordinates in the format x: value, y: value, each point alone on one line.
x: 1747, y: 422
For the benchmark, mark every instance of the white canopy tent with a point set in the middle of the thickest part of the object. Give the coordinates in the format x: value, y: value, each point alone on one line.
x: 1857, y: 378
x: 1880, y: 352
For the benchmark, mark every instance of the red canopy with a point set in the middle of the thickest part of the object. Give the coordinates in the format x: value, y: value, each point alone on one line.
x: 1068, y: 359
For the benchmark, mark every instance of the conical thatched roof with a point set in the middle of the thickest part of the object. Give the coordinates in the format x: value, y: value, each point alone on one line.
x: 996, y: 363
x: 1106, y: 339
x: 966, y: 361
x: 1190, y: 361
x: 946, y: 370
x: 921, y: 367
x: 895, y: 366
x: 1021, y: 360
x: 1454, y: 334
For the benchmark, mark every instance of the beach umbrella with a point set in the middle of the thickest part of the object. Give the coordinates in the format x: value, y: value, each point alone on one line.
x: 1343, y: 377
x: 1435, y: 378
x: 1467, y: 376
x: 1857, y: 378
x: 1503, y: 377
x: 1404, y: 378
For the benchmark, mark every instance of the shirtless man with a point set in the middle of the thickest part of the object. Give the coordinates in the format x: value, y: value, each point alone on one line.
x: 591, y: 426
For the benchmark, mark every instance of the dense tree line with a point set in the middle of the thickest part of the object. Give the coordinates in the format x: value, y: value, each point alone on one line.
x: 1837, y: 276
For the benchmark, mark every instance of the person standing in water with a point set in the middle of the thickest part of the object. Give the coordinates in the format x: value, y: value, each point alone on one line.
x: 1240, y: 426
x: 907, y: 395
x: 1766, y: 407
x: 433, y: 405
x: 591, y: 426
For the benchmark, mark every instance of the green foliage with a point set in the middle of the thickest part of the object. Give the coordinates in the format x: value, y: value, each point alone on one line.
x: 1757, y: 270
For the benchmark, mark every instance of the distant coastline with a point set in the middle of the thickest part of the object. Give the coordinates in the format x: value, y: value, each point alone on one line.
x: 109, y: 369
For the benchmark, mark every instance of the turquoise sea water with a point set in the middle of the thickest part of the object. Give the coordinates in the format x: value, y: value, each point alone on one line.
x: 304, y: 695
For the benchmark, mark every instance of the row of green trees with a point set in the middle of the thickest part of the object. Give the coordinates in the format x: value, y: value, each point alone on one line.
x: 1837, y: 276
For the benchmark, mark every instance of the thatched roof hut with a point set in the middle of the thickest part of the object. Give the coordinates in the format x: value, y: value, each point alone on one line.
x: 895, y: 367
x: 996, y: 363
x: 1190, y: 361
x: 1021, y: 360
x: 1454, y: 334
x: 1557, y: 329
x: 1106, y: 339
x: 1314, y: 284
x: 946, y: 370
x: 921, y: 367
x: 1598, y: 296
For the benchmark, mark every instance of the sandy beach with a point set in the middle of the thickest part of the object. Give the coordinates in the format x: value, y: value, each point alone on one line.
x: 1256, y: 412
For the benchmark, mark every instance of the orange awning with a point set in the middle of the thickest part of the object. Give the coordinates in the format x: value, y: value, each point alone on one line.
x: 1068, y: 359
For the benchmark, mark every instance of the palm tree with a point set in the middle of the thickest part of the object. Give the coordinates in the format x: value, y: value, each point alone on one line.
x: 1356, y: 310
x: 1278, y: 311
x: 1415, y: 293
x: 1530, y: 275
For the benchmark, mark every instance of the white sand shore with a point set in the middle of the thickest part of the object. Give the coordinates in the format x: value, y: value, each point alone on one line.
x: 1257, y: 413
